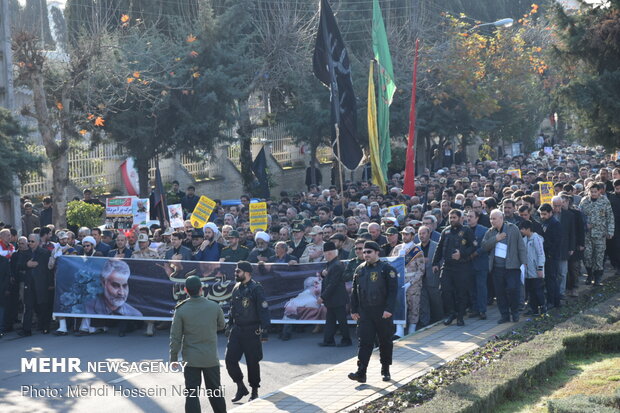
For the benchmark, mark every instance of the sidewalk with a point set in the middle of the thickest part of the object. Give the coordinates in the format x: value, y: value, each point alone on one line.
x: 414, y: 355
x: 331, y: 390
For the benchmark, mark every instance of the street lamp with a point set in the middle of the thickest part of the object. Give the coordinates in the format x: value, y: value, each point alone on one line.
x: 502, y: 23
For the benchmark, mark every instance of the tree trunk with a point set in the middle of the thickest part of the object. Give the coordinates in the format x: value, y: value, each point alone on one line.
x: 56, y: 152
x: 245, y: 143
x: 60, y: 180
x: 313, y: 150
x: 142, y: 165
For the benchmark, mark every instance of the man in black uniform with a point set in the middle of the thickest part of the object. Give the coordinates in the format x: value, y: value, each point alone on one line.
x: 334, y: 297
x: 455, y: 246
x: 247, y: 329
x: 373, y: 300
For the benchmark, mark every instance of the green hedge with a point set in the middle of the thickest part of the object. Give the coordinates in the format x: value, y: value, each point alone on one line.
x: 529, y: 363
x: 585, y: 404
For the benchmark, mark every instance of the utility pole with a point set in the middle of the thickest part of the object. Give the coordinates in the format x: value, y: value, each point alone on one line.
x: 7, y: 97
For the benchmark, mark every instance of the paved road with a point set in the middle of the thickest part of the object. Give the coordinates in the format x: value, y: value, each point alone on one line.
x: 284, y: 363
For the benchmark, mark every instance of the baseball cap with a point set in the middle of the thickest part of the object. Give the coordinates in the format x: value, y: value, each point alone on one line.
x: 391, y: 231
x: 316, y: 230
x: 143, y: 238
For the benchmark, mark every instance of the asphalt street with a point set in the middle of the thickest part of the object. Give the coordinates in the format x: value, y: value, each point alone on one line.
x: 283, y: 364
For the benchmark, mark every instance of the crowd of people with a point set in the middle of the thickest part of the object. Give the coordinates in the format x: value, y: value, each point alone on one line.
x: 473, y: 234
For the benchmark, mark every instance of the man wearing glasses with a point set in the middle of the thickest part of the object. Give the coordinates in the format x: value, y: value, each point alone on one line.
x: 247, y: 330
x: 373, y: 300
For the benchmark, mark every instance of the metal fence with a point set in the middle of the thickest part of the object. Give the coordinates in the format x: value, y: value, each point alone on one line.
x: 88, y: 167
x: 98, y: 167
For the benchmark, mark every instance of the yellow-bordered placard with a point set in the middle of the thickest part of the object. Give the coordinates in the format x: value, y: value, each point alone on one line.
x: 202, y: 212
x: 400, y: 209
x: 546, y: 192
x: 258, y: 216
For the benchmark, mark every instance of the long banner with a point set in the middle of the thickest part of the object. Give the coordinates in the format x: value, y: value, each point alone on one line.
x: 137, y: 289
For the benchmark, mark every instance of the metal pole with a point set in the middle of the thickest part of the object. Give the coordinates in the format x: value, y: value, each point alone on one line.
x: 339, y: 166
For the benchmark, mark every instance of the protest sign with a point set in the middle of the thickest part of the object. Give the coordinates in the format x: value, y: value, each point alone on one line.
x: 155, y: 287
x: 119, y: 207
x: 202, y: 212
x: 546, y: 192
x: 400, y: 209
x: 514, y: 172
x: 175, y: 212
x: 258, y: 216
x: 140, y: 211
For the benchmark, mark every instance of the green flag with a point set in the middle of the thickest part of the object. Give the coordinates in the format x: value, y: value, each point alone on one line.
x: 386, y: 84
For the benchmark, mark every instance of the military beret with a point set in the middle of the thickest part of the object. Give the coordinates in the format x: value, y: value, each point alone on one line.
x: 371, y: 245
x: 244, y: 266
x: 233, y: 234
x: 338, y: 236
x: 391, y: 231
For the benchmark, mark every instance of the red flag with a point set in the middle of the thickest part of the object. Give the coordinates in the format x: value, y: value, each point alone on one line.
x: 130, y: 177
x: 409, y: 187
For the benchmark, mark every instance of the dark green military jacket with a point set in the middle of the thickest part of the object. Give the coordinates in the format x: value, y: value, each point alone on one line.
x: 230, y: 255
x: 194, y: 332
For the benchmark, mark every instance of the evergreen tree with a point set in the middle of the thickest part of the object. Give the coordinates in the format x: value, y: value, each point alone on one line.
x: 16, y: 159
x: 589, y: 48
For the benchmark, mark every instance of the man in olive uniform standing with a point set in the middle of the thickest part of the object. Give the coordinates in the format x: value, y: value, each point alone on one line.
x: 194, y: 332
x: 456, y: 245
x: 247, y: 329
x: 600, y: 228
x: 373, y: 300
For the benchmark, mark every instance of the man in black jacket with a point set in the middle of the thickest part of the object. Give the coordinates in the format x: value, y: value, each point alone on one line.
x: 567, y: 240
x: 455, y: 247
x: 552, y: 234
x: 37, y: 286
x: 373, y: 302
x: 334, y: 297
x: 613, y: 244
x: 574, y: 261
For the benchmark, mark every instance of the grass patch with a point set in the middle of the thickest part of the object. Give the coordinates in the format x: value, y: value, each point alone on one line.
x: 594, y: 375
x: 525, y: 367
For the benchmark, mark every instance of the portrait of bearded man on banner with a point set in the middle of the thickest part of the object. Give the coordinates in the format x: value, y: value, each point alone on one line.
x: 113, y: 301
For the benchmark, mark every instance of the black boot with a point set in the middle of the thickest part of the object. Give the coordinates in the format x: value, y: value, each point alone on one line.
x: 359, y: 376
x: 241, y: 391
x: 598, y: 276
x: 385, y: 372
x: 590, y: 277
x: 254, y: 394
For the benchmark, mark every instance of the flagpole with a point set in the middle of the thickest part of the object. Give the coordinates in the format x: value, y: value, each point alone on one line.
x: 339, y: 166
x: 409, y: 184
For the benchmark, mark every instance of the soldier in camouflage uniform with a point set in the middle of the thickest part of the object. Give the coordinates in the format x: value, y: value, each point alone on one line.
x: 600, y: 227
x: 414, y: 273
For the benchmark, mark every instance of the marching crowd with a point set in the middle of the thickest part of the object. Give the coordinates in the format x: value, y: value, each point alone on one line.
x: 472, y: 235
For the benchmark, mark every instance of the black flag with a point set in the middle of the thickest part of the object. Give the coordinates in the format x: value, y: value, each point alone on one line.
x: 331, y: 66
x: 159, y: 209
x: 259, y: 168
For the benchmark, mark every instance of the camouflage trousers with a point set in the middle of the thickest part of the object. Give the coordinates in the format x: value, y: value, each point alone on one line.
x: 413, y: 296
x: 594, y: 254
